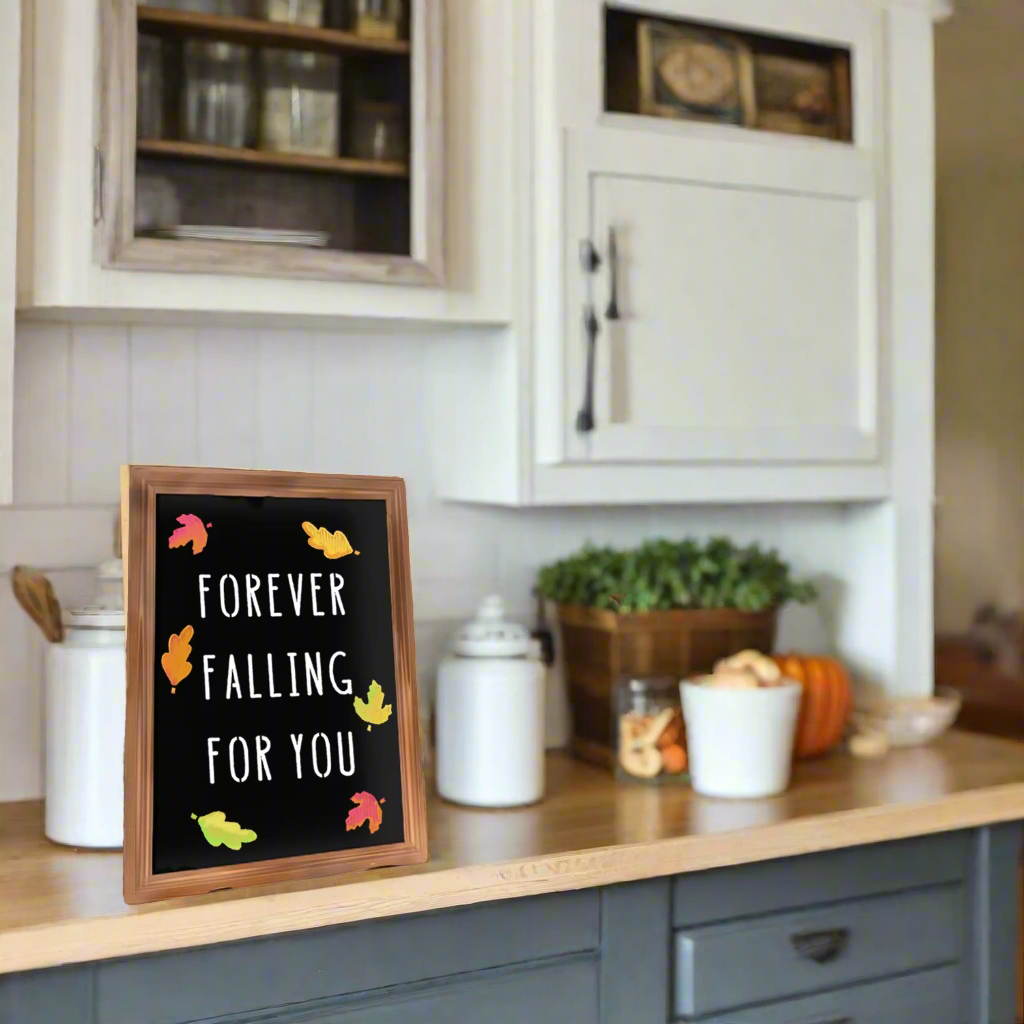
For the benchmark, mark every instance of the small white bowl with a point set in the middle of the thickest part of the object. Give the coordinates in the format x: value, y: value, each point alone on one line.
x: 909, y: 721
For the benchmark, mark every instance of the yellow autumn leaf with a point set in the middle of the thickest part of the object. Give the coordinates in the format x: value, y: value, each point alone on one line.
x: 219, y: 832
x: 333, y: 545
x: 373, y: 710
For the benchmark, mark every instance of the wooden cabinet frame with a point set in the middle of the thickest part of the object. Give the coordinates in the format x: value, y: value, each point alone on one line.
x: 10, y: 81
x: 116, y: 245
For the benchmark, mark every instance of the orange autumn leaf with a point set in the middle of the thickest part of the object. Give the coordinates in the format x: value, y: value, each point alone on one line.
x: 191, y: 530
x: 175, y: 662
x: 367, y: 809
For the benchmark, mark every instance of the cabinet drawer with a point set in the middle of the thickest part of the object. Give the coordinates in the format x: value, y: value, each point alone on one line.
x: 931, y: 996
x: 761, y: 959
x: 750, y: 889
x: 564, y: 993
x: 304, y: 966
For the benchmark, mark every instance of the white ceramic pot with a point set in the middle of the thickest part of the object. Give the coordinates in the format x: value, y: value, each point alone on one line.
x: 490, y: 714
x: 740, y: 742
x: 85, y: 708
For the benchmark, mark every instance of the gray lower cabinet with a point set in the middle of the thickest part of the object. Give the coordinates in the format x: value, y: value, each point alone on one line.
x: 563, y: 993
x: 808, y: 950
x: 929, y: 997
x: 392, y: 954
x: 916, y: 930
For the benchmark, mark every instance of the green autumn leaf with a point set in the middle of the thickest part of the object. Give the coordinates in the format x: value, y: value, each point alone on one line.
x: 219, y: 832
x: 373, y: 710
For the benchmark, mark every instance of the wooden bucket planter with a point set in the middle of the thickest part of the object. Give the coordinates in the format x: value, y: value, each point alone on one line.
x: 600, y: 647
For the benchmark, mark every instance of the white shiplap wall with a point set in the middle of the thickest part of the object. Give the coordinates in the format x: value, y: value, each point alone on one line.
x: 91, y: 397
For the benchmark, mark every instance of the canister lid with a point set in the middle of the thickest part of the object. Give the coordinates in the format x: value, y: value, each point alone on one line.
x: 490, y: 635
x: 651, y: 684
x: 105, y: 609
x: 93, y: 617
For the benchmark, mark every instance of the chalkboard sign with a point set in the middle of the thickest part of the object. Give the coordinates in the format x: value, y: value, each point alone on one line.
x: 272, y: 727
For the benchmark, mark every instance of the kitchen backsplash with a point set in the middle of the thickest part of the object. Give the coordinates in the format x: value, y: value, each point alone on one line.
x: 91, y: 397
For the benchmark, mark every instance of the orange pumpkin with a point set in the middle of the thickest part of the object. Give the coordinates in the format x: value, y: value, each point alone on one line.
x: 826, y: 702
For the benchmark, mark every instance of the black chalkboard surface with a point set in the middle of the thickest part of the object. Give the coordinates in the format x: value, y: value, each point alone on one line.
x: 272, y: 728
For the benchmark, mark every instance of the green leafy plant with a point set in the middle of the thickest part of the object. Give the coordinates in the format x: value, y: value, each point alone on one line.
x: 663, y: 574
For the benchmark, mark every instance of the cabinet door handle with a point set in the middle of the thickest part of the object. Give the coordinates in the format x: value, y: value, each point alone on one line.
x: 612, y: 311
x: 585, y: 417
x: 834, y: 1020
x: 590, y: 258
x: 821, y: 947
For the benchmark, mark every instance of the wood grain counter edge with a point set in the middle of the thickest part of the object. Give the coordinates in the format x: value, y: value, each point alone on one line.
x: 176, y: 926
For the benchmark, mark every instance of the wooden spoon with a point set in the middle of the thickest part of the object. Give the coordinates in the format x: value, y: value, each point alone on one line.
x: 35, y: 594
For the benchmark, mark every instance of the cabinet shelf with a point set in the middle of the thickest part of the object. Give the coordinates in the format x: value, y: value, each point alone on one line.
x: 264, y: 33
x: 286, y: 161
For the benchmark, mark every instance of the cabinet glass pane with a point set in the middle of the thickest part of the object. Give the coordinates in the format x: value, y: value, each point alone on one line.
x: 273, y: 121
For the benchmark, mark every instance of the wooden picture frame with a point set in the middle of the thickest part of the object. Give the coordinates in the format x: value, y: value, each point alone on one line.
x: 140, y: 488
x: 696, y: 72
x: 779, y: 81
x: 660, y: 42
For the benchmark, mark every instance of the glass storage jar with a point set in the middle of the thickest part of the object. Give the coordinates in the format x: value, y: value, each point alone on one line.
x: 218, y: 93
x: 378, y: 132
x: 650, y: 740
x: 149, y: 112
x: 294, y: 12
x: 377, y: 19
x: 300, y: 102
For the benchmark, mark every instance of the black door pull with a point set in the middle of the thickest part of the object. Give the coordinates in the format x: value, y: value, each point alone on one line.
x: 612, y: 312
x: 590, y: 258
x: 585, y: 417
x: 821, y: 947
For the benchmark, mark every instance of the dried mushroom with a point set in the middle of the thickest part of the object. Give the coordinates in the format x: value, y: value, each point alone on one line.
x: 642, y: 761
x: 734, y: 679
x: 763, y: 667
x: 869, y: 744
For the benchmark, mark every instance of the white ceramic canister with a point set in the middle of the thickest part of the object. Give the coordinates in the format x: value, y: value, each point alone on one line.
x: 490, y: 714
x: 740, y: 741
x: 85, y: 715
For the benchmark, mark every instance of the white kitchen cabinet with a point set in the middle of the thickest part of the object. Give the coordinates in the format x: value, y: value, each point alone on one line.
x: 82, y: 253
x: 748, y: 328
x: 754, y: 353
x: 748, y: 320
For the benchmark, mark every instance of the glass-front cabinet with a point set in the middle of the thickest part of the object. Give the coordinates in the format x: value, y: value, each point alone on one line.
x: 286, y: 137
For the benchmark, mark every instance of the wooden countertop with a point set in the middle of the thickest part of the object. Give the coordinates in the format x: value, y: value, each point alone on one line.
x: 58, y: 906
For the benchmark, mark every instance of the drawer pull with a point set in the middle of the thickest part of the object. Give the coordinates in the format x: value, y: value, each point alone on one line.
x: 821, y: 947
x: 835, y: 1020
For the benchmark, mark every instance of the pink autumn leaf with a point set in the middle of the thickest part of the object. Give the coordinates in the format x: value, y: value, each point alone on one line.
x: 367, y: 809
x: 192, y: 529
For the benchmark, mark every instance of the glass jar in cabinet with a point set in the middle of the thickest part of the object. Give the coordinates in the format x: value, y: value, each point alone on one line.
x: 377, y: 132
x: 378, y: 19
x: 218, y: 94
x: 294, y: 12
x: 300, y: 102
x: 650, y: 740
